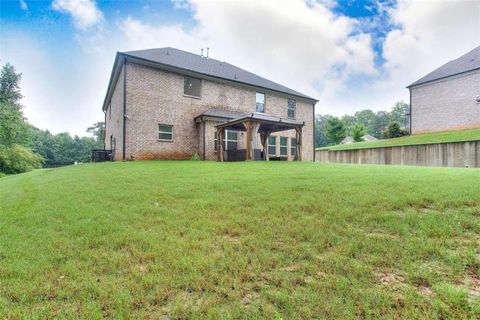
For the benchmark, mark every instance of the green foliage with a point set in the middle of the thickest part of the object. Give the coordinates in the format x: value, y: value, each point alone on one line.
x: 18, y: 159
x: 10, y: 86
x: 335, y: 130
x: 358, y: 131
x: 374, y: 122
x: 62, y: 149
x: 394, y: 131
x: 195, y: 157
x: 436, y: 137
x: 13, y: 128
x: 98, y: 132
x: 250, y: 240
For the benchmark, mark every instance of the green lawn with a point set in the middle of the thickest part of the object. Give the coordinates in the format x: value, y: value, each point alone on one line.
x: 178, y: 240
x: 437, y: 137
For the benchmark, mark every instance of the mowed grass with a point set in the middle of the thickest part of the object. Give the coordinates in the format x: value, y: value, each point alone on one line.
x: 427, y: 138
x: 170, y: 240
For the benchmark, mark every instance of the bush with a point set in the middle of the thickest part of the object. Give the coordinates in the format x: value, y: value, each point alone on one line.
x: 195, y: 157
x: 358, y: 131
x: 18, y: 159
x: 394, y: 131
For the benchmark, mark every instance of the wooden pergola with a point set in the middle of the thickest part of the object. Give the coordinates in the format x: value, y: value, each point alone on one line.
x: 262, y: 124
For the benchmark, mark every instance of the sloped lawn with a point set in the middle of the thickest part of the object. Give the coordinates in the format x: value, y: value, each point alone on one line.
x: 170, y: 240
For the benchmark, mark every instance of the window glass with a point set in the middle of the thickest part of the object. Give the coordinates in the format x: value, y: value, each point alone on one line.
x: 291, y: 108
x: 230, y: 140
x: 272, y: 141
x: 283, y: 146
x: 293, y: 147
x: 191, y: 86
x: 260, y: 102
x: 165, y: 132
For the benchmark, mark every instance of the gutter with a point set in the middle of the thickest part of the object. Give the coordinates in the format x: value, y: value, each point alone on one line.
x: 411, y: 118
x: 203, y: 122
x: 441, y: 78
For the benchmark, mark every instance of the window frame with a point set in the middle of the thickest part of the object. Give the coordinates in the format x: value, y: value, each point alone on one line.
x: 189, y: 95
x: 269, y: 145
x: 285, y: 147
x: 164, y: 132
x: 225, y: 139
x: 294, y: 109
x: 264, y: 102
x: 293, y: 147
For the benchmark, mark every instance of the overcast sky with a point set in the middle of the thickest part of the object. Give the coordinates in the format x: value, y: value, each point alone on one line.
x: 350, y: 55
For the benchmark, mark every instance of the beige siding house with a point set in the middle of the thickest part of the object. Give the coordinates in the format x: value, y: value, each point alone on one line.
x: 165, y: 104
x: 447, y: 98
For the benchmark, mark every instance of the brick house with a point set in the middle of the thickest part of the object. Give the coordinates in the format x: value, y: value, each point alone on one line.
x: 167, y: 103
x: 447, y: 98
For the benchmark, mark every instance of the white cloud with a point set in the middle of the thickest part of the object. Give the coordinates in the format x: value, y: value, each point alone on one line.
x: 23, y: 5
x: 297, y: 44
x: 84, y: 13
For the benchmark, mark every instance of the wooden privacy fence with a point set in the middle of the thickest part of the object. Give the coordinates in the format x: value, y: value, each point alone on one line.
x: 449, y: 154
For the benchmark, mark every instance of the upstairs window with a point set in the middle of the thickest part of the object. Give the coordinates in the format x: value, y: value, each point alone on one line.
x: 230, y: 140
x: 272, y: 145
x: 165, y: 132
x: 291, y: 108
x: 192, y: 87
x: 293, y: 146
x: 260, y: 102
x: 283, y: 146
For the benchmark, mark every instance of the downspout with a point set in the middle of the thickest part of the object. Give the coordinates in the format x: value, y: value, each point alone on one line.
x: 104, y: 133
x: 314, y: 131
x: 203, y: 122
x: 124, y: 107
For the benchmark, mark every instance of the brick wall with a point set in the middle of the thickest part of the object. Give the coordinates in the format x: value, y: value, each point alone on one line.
x: 446, y: 104
x: 155, y: 96
x: 114, y: 120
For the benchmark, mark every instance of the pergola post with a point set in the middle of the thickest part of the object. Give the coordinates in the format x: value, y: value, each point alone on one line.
x: 299, y: 143
x: 219, y: 144
x: 264, y: 139
x: 249, y: 127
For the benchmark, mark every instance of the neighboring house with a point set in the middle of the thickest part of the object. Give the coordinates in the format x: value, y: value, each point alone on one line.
x: 349, y: 140
x: 448, y: 98
x: 166, y: 103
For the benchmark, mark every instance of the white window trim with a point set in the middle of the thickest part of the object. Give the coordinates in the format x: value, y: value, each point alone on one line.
x: 264, y: 102
x: 272, y: 145
x: 294, y: 108
x: 188, y: 95
x: 225, y: 135
x: 159, y: 132
x: 284, y: 147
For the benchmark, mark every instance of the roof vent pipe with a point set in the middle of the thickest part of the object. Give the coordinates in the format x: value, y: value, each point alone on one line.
x: 201, y: 52
x: 207, y: 52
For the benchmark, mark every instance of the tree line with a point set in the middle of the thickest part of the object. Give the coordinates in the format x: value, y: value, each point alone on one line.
x: 24, y: 147
x: 331, y: 130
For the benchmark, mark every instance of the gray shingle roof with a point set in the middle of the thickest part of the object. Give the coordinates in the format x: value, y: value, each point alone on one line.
x: 468, y: 62
x: 210, y: 67
x: 221, y: 113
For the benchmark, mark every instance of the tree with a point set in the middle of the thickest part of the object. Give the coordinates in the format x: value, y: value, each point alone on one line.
x: 321, y: 139
x: 10, y: 86
x: 367, y: 118
x: 98, y: 132
x: 335, y: 130
x: 380, y: 123
x: 399, y: 110
x: 394, y: 131
x: 358, y: 131
x: 13, y: 128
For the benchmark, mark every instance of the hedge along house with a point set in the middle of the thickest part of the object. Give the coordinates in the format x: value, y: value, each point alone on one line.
x: 447, y: 98
x: 170, y: 104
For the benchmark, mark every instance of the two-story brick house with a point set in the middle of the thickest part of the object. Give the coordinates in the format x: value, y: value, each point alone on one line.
x: 166, y: 103
x: 448, y: 98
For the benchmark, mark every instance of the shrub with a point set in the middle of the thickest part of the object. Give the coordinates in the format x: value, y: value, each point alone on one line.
x: 18, y: 159
x: 394, y: 131
x: 195, y: 157
x: 358, y: 131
